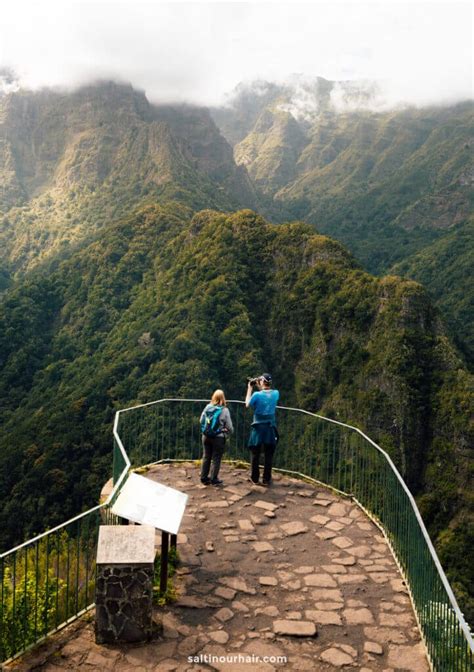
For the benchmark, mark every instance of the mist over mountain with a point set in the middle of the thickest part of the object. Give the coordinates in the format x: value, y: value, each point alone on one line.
x: 388, y: 183
x: 71, y: 161
x: 8, y: 81
x: 304, y: 98
x: 420, y: 53
x: 126, y: 276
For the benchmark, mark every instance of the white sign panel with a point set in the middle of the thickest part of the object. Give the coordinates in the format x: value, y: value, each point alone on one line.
x: 150, y: 503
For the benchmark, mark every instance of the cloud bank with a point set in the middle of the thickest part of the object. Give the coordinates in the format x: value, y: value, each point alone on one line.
x: 197, y: 52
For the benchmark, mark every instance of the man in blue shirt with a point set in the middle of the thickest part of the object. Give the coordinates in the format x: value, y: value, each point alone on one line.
x: 264, y: 434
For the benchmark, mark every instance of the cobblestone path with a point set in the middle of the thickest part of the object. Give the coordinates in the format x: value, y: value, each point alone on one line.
x: 291, y: 577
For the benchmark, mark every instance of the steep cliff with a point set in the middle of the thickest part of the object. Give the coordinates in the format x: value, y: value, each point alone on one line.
x: 70, y: 162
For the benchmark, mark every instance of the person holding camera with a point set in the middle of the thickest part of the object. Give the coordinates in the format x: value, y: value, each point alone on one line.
x: 264, y: 433
x: 216, y: 424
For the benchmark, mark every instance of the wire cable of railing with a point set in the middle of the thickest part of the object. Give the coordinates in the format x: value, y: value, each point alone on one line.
x: 335, y: 452
x: 395, y: 471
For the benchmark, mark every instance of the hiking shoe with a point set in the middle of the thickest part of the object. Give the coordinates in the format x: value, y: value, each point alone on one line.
x: 206, y: 481
x: 217, y: 481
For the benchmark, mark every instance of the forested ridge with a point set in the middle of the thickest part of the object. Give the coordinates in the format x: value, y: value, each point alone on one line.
x: 445, y: 267
x: 72, y: 162
x: 391, y: 185
x: 119, y: 284
x: 169, y: 304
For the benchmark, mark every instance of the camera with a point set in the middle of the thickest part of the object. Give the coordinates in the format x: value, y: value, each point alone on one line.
x: 253, y: 381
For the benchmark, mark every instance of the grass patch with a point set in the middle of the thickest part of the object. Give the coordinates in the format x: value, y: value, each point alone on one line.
x: 141, y: 470
x: 169, y: 595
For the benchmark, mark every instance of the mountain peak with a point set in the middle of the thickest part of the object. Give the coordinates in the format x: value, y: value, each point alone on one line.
x: 305, y: 96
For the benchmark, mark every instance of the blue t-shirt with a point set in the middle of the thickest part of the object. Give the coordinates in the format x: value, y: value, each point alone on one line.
x: 263, y: 404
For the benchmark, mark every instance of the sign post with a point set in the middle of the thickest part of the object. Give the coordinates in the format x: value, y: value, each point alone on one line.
x: 147, y: 502
x: 165, y: 538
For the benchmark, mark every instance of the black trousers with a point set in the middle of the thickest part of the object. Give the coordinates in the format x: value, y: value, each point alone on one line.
x: 213, y: 451
x: 268, y: 450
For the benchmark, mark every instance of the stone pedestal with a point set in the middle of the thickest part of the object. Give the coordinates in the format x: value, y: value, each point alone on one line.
x: 124, y: 583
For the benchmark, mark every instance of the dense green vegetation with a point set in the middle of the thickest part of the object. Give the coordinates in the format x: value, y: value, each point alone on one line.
x: 445, y: 267
x: 45, y: 584
x: 69, y: 164
x: 114, y: 291
x: 169, y: 305
x: 389, y: 185
x: 394, y: 187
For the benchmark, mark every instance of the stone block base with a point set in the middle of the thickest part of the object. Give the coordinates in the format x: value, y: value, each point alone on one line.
x: 124, y: 602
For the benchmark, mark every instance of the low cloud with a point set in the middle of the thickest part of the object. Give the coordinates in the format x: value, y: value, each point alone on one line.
x: 417, y: 53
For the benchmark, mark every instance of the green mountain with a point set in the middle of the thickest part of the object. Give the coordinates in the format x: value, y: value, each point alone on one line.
x: 166, y: 303
x: 387, y: 184
x: 72, y: 162
x: 445, y: 267
x: 114, y: 291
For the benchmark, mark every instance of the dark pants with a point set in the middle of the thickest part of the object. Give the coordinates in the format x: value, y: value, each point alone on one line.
x: 213, y: 451
x: 268, y: 450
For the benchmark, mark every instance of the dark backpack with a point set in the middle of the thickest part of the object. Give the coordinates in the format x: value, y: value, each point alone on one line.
x: 210, y: 421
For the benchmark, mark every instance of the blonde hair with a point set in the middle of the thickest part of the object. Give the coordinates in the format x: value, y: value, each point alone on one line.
x: 218, y: 398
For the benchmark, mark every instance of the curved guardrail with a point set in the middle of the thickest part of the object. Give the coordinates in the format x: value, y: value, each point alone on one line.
x: 48, y: 581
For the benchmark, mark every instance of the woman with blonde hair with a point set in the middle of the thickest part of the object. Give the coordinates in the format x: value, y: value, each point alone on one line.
x: 216, y: 424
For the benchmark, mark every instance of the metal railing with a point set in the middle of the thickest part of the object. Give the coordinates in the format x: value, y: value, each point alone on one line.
x: 49, y: 581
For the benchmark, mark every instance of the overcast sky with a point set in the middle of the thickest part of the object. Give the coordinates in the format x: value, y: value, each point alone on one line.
x: 199, y: 51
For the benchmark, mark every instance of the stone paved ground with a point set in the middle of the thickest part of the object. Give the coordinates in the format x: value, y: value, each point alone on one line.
x: 292, y: 571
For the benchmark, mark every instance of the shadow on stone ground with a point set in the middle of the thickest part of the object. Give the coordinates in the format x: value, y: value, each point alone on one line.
x: 290, y: 577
